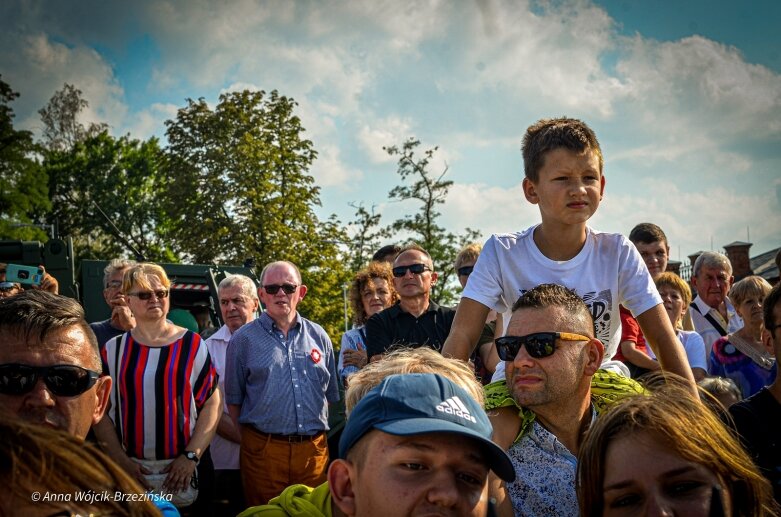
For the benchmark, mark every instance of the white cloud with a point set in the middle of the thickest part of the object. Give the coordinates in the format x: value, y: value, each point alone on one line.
x: 150, y: 121
x: 329, y: 170
x: 381, y: 133
x: 42, y: 66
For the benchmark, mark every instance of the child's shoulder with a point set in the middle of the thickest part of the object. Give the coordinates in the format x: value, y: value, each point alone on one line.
x: 510, y: 239
x: 607, y: 240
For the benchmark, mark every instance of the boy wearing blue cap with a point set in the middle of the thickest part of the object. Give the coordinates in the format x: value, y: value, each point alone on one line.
x: 415, y: 443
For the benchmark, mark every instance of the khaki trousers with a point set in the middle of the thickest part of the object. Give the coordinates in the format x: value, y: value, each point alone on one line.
x: 270, y: 464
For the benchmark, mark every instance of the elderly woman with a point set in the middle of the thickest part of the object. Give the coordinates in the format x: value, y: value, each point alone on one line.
x: 667, y: 454
x: 741, y: 356
x: 164, y: 404
x: 370, y: 292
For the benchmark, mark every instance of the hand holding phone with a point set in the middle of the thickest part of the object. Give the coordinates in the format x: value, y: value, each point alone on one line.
x: 30, y: 275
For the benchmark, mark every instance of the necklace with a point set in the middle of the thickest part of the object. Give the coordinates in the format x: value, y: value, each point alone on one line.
x: 762, y: 358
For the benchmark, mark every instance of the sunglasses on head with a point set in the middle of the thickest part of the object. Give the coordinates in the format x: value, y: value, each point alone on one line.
x: 64, y: 380
x: 274, y: 288
x: 417, y: 269
x: 147, y: 295
x: 465, y: 271
x: 538, y: 345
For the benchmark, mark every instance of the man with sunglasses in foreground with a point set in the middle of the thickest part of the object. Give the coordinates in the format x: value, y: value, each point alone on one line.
x: 49, y: 363
x: 551, y: 356
x: 414, y: 320
x: 280, y: 376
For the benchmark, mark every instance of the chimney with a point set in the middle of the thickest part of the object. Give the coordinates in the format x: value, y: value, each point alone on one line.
x: 737, y: 252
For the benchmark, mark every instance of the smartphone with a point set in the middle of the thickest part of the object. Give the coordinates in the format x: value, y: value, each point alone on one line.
x: 23, y: 274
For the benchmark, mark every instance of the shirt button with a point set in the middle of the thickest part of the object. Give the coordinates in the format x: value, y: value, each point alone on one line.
x: 294, y: 368
x: 296, y: 385
x: 298, y: 405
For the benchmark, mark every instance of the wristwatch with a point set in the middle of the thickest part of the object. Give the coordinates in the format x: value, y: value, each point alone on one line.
x: 190, y: 455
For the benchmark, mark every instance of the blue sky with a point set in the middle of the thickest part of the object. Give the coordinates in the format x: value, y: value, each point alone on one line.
x: 684, y: 96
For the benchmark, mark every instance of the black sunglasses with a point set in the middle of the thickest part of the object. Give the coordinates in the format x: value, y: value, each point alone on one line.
x: 147, y: 295
x: 465, y: 271
x: 538, y: 345
x: 418, y: 269
x: 274, y: 288
x: 64, y: 380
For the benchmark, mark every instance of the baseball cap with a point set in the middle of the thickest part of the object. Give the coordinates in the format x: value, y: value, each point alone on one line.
x: 418, y: 403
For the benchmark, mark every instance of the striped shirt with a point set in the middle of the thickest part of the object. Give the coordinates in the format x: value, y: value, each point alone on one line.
x: 282, y: 383
x: 160, y: 391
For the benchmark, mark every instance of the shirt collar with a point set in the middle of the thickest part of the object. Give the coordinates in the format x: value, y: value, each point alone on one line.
x: 269, y: 323
x: 223, y: 334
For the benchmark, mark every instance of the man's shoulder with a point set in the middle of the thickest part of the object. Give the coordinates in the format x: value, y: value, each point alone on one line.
x: 762, y: 404
x: 221, y: 337
x: 99, y: 325
x: 313, y: 329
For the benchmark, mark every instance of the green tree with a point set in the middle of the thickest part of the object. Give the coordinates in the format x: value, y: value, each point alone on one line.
x: 366, y: 236
x: 61, y: 127
x: 430, y: 190
x: 121, y: 176
x: 239, y: 188
x: 23, y: 189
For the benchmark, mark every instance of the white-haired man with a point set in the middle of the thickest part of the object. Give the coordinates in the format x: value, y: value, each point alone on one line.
x: 712, y: 314
x: 238, y: 305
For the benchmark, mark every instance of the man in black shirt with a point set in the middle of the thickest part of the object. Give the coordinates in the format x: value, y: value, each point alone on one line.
x: 415, y: 320
x: 758, y: 418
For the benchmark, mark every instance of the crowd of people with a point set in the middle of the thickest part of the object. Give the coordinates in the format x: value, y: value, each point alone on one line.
x: 576, y: 376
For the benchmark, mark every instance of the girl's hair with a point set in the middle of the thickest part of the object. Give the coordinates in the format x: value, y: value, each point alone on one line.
x: 35, y: 458
x: 690, y: 430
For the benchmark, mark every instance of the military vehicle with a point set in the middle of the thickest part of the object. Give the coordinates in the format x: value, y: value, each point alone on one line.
x: 193, y: 286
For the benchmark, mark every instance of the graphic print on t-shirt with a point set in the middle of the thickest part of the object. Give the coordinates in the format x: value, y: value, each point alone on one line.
x: 600, y: 305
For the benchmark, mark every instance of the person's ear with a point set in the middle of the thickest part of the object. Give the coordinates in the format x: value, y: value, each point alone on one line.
x: 601, y: 186
x: 301, y: 291
x: 595, y: 351
x: 530, y: 191
x: 434, y: 277
x: 340, y: 482
x: 102, y: 395
x: 767, y: 341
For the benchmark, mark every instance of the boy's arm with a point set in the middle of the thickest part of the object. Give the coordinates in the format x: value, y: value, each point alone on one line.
x: 636, y: 357
x: 661, y: 337
x: 466, y: 329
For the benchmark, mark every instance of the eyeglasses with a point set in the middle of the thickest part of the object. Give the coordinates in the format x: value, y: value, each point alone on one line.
x: 465, y: 271
x: 538, y: 345
x: 417, y: 269
x: 274, y: 288
x: 147, y: 295
x: 64, y: 380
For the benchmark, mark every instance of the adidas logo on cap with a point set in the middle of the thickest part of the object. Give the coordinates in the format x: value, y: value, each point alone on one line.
x: 454, y: 406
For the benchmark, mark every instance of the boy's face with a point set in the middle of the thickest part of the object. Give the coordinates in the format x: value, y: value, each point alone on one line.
x: 425, y: 474
x: 655, y: 255
x: 569, y: 188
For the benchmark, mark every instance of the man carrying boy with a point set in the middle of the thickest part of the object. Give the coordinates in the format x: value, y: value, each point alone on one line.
x: 563, y: 167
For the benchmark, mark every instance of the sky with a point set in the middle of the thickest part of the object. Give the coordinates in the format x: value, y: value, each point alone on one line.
x: 685, y: 97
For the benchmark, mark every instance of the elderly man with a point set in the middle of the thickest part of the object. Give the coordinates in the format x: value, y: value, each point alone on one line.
x: 121, y: 319
x: 712, y: 314
x: 415, y: 320
x: 551, y: 356
x: 758, y: 418
x: 280, y: 377
x: 49, y: 363
x: 238, y: 305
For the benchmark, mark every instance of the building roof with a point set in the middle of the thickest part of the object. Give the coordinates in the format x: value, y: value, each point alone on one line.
x: 764, y: 265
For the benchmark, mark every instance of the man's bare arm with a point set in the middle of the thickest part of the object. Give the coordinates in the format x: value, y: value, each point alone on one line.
x: 466, y: 329
x: 660, y: 335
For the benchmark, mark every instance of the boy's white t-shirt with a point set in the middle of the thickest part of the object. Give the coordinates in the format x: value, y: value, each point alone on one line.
x: 607, y: 272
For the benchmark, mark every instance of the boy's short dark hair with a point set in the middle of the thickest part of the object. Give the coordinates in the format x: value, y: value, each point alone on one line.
x: 553, y: 133
x: 648, y: 233
x: 389, y: 250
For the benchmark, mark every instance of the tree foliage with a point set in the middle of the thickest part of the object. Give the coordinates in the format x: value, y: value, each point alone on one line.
x: 366, y: 236
x: 121, y: 176
x: 23, y: 192
x: 61, y: 127
x: 241, y: 170
x: 421, y: 185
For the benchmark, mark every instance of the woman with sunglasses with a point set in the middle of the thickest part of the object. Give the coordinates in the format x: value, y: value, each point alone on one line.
x: 371, y: 291
x: 165, y: 404
x: 667, y: 454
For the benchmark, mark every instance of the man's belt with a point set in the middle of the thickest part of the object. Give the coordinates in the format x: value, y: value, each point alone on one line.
x: 291, y: 438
